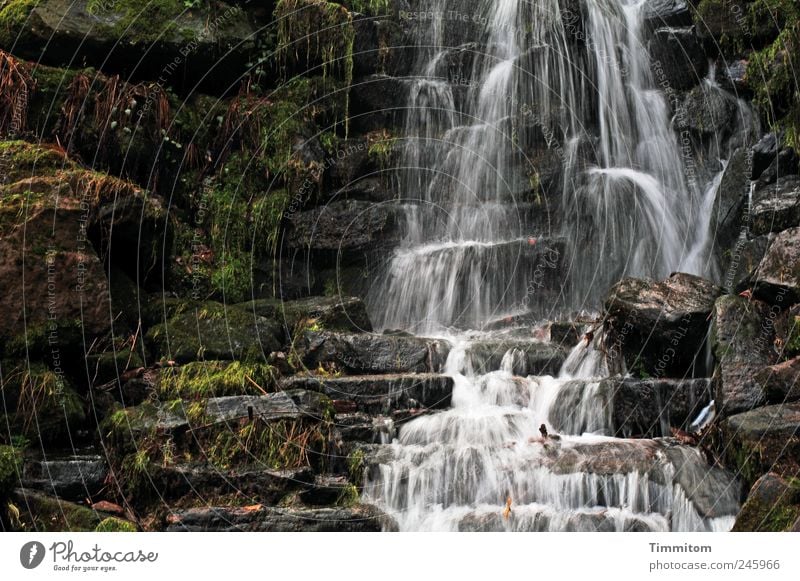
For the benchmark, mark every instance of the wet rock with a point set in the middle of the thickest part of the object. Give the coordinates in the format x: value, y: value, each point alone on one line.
x: 706, y: 111
x: 337, y: 313
x: 713, y: 492
x: 667, y: 13
x: 70, y: 478
x: 660, y: 327
x: 649, y: 408
x: 526, y: 358
x: 763, y: 154
x: 343, y: 228
x: 677, y: 59
x: 785, y: 164
x: 327, y: 490
x: 734, y: 76
x: 776, y: 207
x: 742, y: 261
x: 741, y: 340
x: 43, y: 513
x: 381, y: 394
x: 777, y: 279
x: 727, y: 214
x: 780, y: 381
x: 762, y: 440
x: 773, y: 505
x: 374, y: 354
x: 362, y: 518
x: 383, y: 44
x: 377, y: 102
x: 214, y: 331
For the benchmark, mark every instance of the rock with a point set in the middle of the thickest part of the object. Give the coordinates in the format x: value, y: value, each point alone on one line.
x: 337, y: 313
x: 706, y: 111
x: 361, y: 518
x: 678, y: 60
x: 649, y: 408
x: 734, y: 77
x: 343, y: 229
x: 526, y: 357
x: 741, y: 339
x: 666, y: 13
x: 713, y: 492
x: 763, y: 440
x: 377, y: 102
x: 381, y: 394
x: 213, y: 331
x: 785, y: 164
x: 727, y: 214
x: 44, y: 513
x: 777, y: 278
x: 776, y: 207
x: 763, y: 154
x: 383, y: 45
x: 780, y: 381
x: 660, y: 327
x: 71, y: 478
x: 115, y: 36
x: 329, y: 490
x: 374, y: 354
x: 773, y: 505
x: 743, y: 259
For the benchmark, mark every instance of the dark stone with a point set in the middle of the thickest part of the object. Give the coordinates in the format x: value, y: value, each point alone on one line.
x: 214, y: 331
x: 762, y: 440
x: 776, y: 207
x: 773, y: 505
x: 777, y: 279
x: 741, y: 339
x: 763, y: 153
x: 71, y: 478
x: 530, y: 357
x: 729, y: 204
x: 377, y: 102
x: 785, y: 164
x: 361, y: 518
x: 714, y: 492
x: 659, y: 327
x: 667, y: 13
x: 338, y: 313
x: 381, y: 394
x: 781, y: 381
x: 707, y: 111
x: 678, y: 60
x: 648, y: 408
x: 734, y: 77
x: 373, y: 354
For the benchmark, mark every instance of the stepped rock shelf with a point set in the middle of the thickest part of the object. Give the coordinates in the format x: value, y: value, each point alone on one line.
x: 339, y: 268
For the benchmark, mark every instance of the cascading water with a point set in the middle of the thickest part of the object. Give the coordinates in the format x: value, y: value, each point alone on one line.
x: 479, y: 246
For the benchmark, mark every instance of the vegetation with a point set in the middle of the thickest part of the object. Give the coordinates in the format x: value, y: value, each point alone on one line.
x: 205, y: 379
x: 115, y: 525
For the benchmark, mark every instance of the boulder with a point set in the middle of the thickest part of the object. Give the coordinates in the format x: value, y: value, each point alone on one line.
x: 336, y: 313
x: 679, y: 62
x: 781, y: 382
x: 742, y: 336
x: 377, y: 102
x: 777, y: 278
x: 762, y: 440
x: 776, y: 207
x: 784, y: 164
x: 660, y: 327
x: 380, y: 394
x: 729, y: 204
x: 46, y: 513
x: 763, y: 154
x: 526, y: 357
x: 743, y: 259
x: 707, y: 111
x: 371, y: 354
x: 773, y: 505
x: 667, y: 13
x: 360, y: 518
x: 208, y: 331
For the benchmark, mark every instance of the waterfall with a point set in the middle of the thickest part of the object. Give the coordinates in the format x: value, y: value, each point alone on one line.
x: 570, y: 79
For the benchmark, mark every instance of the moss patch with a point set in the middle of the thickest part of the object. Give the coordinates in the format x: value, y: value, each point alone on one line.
x: 115, y: 525
x: 10, y: 466
x: 216, y: 379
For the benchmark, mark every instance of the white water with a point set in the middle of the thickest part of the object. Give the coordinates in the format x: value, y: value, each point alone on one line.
x: 631, y: 205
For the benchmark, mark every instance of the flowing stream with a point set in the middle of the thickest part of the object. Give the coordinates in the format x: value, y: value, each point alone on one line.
x: 541, y: 81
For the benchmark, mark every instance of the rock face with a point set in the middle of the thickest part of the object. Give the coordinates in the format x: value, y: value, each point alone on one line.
x: 659, y: 327
x: 763, y: 440
x: 649, y: 408
x: 372, y: 354
x: 331, y: 313
x: 526, y: 357
x: 678, y: 60
x: 776, y: 207
x: 264, y: 519
x: 741, y: 339
x: 777, y: 279
x: 71, y: 478
x: 381, y: 394
x: 773, y: 505
x: 706, y: 111
x: 727, y: 223
x: 780, y: 381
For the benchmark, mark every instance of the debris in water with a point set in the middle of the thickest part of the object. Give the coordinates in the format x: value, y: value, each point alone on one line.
x: 507, y: 509
x: 543, y: 431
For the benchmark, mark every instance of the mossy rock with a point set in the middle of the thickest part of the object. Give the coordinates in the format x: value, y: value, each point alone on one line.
x: 212, y: 331
x: 773, y: 505
x: 107, y: 367
x: 113, y: 524
x: 43, y: 513
x: 204, y: 379
x: 41, y: 403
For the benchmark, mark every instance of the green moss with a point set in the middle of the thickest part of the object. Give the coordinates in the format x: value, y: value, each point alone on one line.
x: 381, y: 147
x: 113, y: 524
x: 44, y: 513
x: 792, y: 348
x: 10, y: 466
x: 216, y: 379
x: 355, y: 466
x: 349, y: 496
x: 143, y: 21
x: 370, y: 7
x: 13, y: 16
